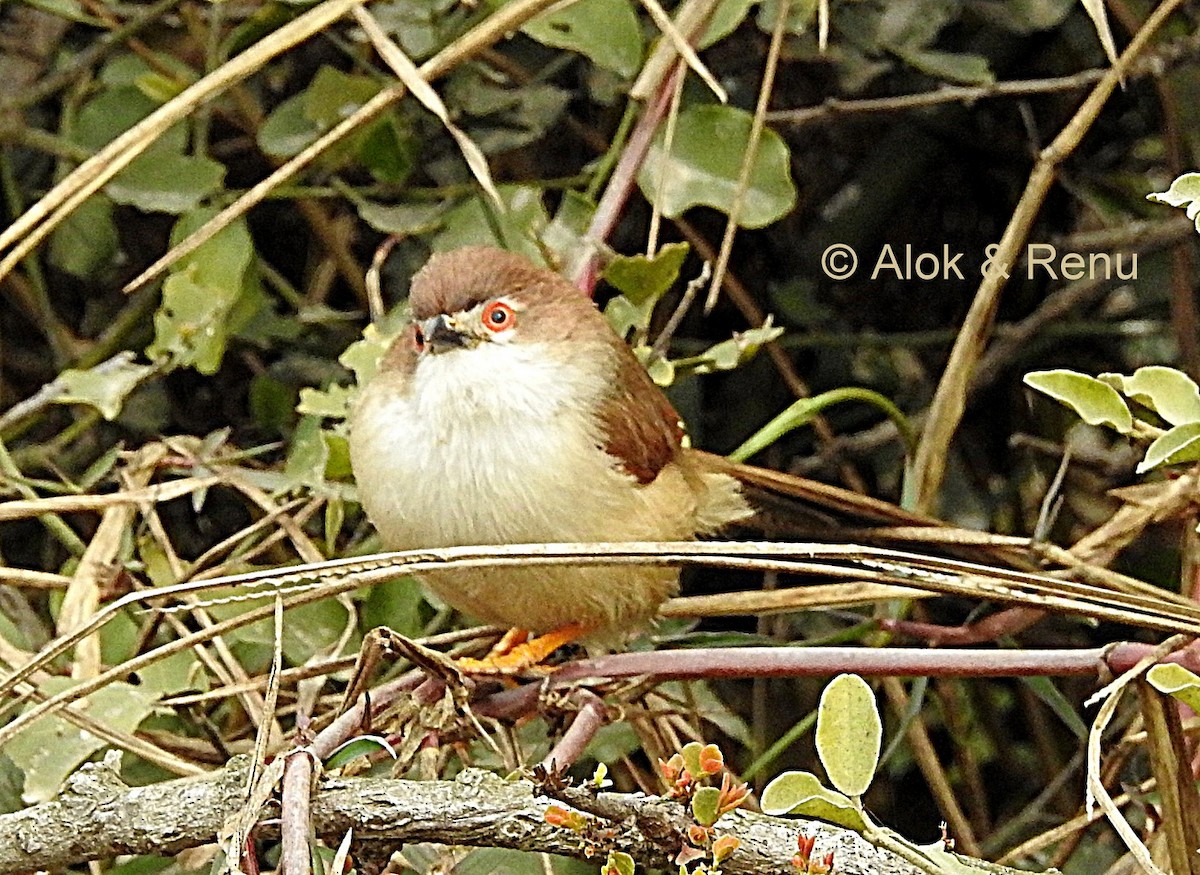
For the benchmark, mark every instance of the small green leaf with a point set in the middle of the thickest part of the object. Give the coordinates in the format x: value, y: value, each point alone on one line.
x: 729, y: 354
x: 104, y: 386
x: 165, y: 182
x: 362, y: 357
x: 1178, y: 446
x: 191, y: 325
x: 706, y: 805
x: 333, y: 95
x: 1063, y: 708
x: 803, y: 410
x: 86, y: 243
x: 704, y: 164
x: 287, y: 129
x: 1170, y: 393
x: 619, y: 863
x: 307, y: 454
x: 397, y: 604
x: 1184, y: 192
x: 566, y: 235
x: 475, y: 220
x: 333, y: 402
x: 962, y: 67
x: 661, y: 370
x: 1177, y: 681
x: 407, y: 220
x: 691, y: 758
x: 801, y: 793
x: 624, y: 316
x: 363, y: 745
x: 50, y: 749
x: 643, y: 279
x: 1096, y: 402
x: 946, y: 862
x: 724, y: 21
x: 849, y: 733
x: 605, y: 31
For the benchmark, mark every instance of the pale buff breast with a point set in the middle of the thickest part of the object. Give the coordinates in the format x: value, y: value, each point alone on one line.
x: 489, y: 446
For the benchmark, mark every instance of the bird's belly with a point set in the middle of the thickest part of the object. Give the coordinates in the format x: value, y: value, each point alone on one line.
x: 619, y: 599
x: 480, y: 467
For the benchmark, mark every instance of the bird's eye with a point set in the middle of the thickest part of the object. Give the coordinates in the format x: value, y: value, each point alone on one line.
x: 498, y: 316
x: 418, y: 338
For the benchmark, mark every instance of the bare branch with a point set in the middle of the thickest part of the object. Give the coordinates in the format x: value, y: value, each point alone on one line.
x: 99, y: 817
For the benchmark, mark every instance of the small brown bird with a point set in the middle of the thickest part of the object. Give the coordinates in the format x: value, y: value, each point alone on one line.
x: 509, y: 412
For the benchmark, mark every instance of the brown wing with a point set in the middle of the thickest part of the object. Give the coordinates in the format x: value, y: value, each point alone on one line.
x: 641, y: 428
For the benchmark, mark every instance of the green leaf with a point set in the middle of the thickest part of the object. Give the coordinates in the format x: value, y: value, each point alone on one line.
x: 1170, y: 393
x: 308, y: 454
x: 475, y: 221
x: 962, y: 67
x: 1184, y: 192
x: 624, y: 316
x: 115, y: 110
x: 287, y: 129
x: 1177, y: 681
x: 363, y: 745
x: 705, y: 805
x: 729, y: 354
x: 104, y: 386
x: 849, y: 733
x: 1096, y: 402
x: 407, y: 220
x: 724, y: 21
x: 191, y: 325
x: 1025, y: 16
x: 381, y: 145
x: 86, y: 242
x: 691, y: 757
x: 162, y: 178
x: 362, y: 357
x: 605, y: 31
x: 801, y: 16
x: 397, y: 604
x: 619, y: 863
x: 801, y: 793
x: 333, y: 402
x: 704, y: 163
x: 51, y: 748
x: 566, y: 233
x: 333, y: 95
x: 644, y: 279
x: 165, y: 182
x: 312, y: 629
x: 1179, y: 445
x: 1063, y: 708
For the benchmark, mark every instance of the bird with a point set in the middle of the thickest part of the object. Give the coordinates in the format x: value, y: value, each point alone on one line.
x: 509, y: 412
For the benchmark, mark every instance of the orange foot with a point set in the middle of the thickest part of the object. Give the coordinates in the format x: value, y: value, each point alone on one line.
x: 517, y: 651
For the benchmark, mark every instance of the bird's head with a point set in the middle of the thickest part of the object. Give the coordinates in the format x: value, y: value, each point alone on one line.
x: 479, y: 296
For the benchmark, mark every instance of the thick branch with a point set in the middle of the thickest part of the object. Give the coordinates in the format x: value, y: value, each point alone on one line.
x: 98, y: 816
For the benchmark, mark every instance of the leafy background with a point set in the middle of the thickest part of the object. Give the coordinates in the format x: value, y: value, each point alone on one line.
x: 236, y: 355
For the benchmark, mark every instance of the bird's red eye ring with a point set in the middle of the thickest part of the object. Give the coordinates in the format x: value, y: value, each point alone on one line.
x: 418, y: 337
x: 498, y: 316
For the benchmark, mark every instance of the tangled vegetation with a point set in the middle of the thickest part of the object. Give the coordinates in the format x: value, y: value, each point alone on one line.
x: 870, y: 244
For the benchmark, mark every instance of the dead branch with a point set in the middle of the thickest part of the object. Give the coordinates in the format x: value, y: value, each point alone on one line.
x: 98, y: 816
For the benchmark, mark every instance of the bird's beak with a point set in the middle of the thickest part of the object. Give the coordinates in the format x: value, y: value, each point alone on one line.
x: 442, y: 333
